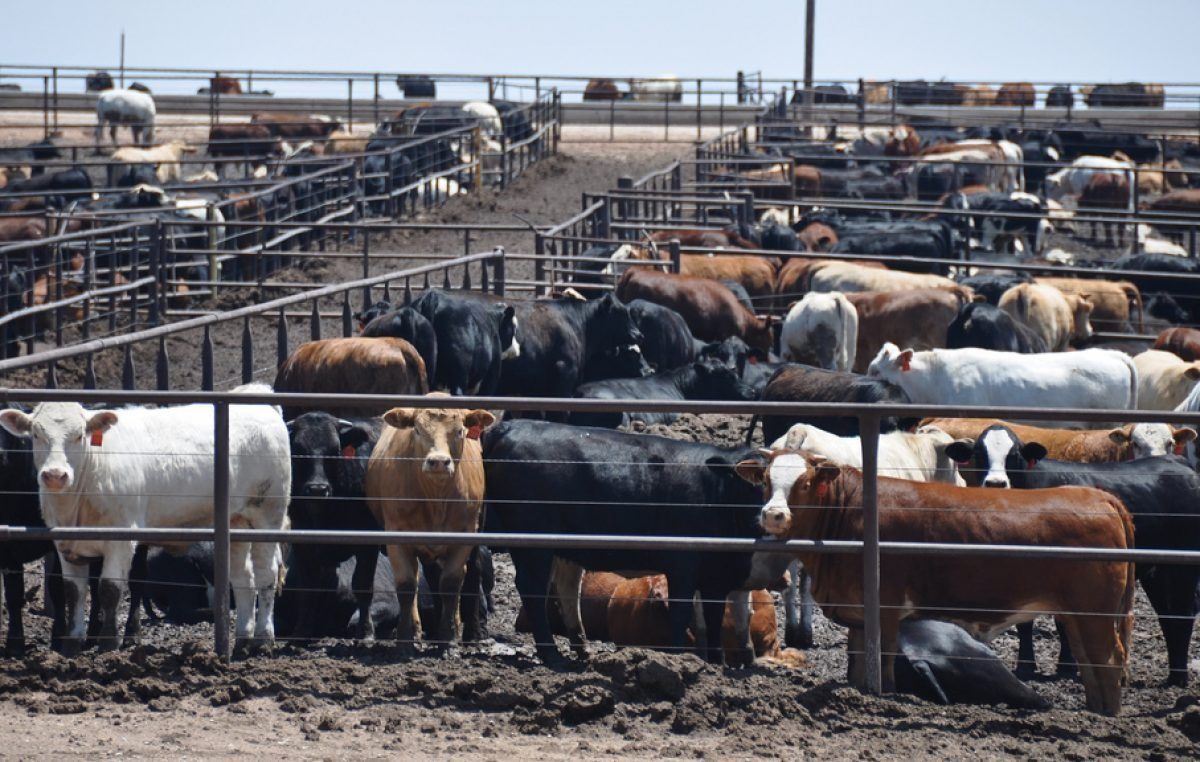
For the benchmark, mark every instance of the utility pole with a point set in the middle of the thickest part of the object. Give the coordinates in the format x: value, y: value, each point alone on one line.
x: 123, y: 56
x: 810, y: 13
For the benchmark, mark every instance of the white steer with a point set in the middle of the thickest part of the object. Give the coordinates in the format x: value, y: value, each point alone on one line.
x: 822, y: 330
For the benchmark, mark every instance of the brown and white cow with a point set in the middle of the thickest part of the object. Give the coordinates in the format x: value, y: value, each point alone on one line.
x: 426, y: 475
x: 355, y: 365
x: 810, y: 498
x: 1057, y: 317
x: 1128, y: 442
x: 1164, y: 379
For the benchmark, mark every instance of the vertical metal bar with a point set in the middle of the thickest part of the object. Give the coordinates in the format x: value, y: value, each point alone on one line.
x: 612, y: 121
x: 347, y: 317
x: 366, y: 267
x: 162, y: 366
x: 247, y: 352
x: 221, y: 530
x: 676, y: 257
x: 698, y: 90
x: 55, y: 75
x: 314, y: 322
x: 46, y: 107
x: 500, y: 273
x: 350, y: 105
x: 869, y: 436
x: 206, y: 361
x: 128, y: 375
x: 281, y: 339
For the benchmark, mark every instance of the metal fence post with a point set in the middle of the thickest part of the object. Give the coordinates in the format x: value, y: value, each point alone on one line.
x: 366, y: 268
x: 350, y: 105
x: 55, y: 76
x: 698, y: 84
x: 221, y: 530
x: 539, y: 264
x: 676, y: 256
x: 375, y: 112
x: 869, y: 436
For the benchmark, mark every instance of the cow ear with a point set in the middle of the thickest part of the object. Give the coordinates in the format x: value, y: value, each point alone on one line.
x: 1033, y: 451
x: 1120, y: 436
x: 752, y: 470
x: 351, y: 434
x: 904, y: 360
x: 826, y: 472
x: 960, y: 450
x: 400, y: 417
x: 1183, y: 436
x: 1192, y: 373
x: 101, y: 421
x: 480, y: 418
x: 16, y: 422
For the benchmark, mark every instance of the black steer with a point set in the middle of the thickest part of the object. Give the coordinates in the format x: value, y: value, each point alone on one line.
x: 410, y: 325
x: 991, y: 285
x: 473, y: 337
x: 979, y: 324
x: 667, y: 342
x: 702, y: 380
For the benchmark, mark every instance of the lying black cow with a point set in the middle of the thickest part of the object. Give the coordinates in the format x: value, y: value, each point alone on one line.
x: 337, y: 597
x: 1011, y: 217
x: 1162, y: 494
x: 702, y: 380
x: 549, y: 478
x: 940, y: 662
x: 1185, y: 293
x: 408, y: 324
x: 473, y: 338
x: 138, y: 174
x: 58, y: 188
x: 804, y: 383
x: 982, y: 325
x: 559, y: 339
x: 667, y: 342
x: 180, y: 585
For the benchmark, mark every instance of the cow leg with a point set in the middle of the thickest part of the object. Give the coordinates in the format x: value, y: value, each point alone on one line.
x: 454, y: 567
x: 114, y: 580
x: 568, y: 582
x: 739, y: 602
x: 404, y: 569
x: 54, y: 598
x: 533, y: 583
x: 712, y: 602
x: 14, y: 599
x: 264, y: 558
x: 95, y: 617
x: 680, y: 607
x: 1102, y: 659
x: 1026, y: 662
x: 138, y: 578
x: 241, y: 577
x: 471, y: 602
x: 1172, y: 593
x: 75, y: 584
x: 856, y: 662
x: 363, y: 583
x: 1066, y: 658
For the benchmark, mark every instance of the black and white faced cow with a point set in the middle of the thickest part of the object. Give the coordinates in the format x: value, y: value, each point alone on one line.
x: 1016, y: 220
x: 1162, y: 494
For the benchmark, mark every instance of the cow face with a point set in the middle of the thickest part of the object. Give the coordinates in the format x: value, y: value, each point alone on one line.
x: 759, y: 335
x: 616, y: 326
x: 997, y: 459
x: 506, y: 323
x: 439, y: 434
x: 718, y: 381
x: 1152, y: 440
x: 789, y: 479
x: 372, y: 312
x: 321, y: 446
x: 890, y: 363
x: 60, y: 433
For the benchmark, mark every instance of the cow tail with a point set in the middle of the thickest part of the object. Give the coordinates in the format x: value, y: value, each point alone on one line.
x: 1135, y: 296
x: 1133, y: 382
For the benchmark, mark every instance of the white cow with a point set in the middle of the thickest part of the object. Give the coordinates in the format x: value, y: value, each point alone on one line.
x: 1090, y: 378
x: 666, y: 87
x: 919, y: 457
x: 153, y: 467
x: 488, y: 115
x: 822, y: 330
x: 1070, y: 181
x: 1164, y: 380
x: 131, y: 107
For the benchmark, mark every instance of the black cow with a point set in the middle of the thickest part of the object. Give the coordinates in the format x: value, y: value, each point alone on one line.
x: 1186, y: 293
x: 549, y: 478
x: 408, y: 324
x: 180, y: 585
x: 59, y: 188
x: 559, y: 340
x: 1014, y: 216
x: 13, y: 283
x: 329, y: 468
x: 473, y: 338
x: 98, y: 81
x: 18, y: 480
x: 1060, y: 96
x: 1091, y: 139
x: 803, y: 383
x: 138, y: 174
x: 667, y: 342
x: 385, y: 170
x: 623, y: 362
x: 992, y: 285
x: 1162, y: 494
x: 775, y: 237
x: 417, y: 87
x: 515, y: 120
x: 706, y: 379
x: 589, y: 271
x: 1124, y: 95
x: 940, y: 662
x: 979, y: 324
x: 899, y: 242
x: 337, y: 596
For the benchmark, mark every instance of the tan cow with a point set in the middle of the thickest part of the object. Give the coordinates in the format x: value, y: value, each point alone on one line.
x: 165, y: 157
x: 355, y: 365
x: 1141, y: 440
x: 1057, y: 317
x: 426, y: 475
x: 1164, y: 380
x: 1111, y: 299
x: 915, y: 318
x: 848, y: 276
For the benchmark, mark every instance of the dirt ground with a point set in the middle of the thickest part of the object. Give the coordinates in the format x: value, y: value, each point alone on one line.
x: 170, y: 696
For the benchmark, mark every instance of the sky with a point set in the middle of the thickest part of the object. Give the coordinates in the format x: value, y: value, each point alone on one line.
x: 964, y: 40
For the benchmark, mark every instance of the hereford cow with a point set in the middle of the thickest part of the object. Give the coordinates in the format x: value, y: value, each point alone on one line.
x: 820, y: 330
x: 712, y: 312
x: 426, y: 475
x: 1058, y: 318
x: 352, y: 366
x: 153, y: 467
x: 1164, y: 380
x: 1141, y: 440
x: 986, y: 596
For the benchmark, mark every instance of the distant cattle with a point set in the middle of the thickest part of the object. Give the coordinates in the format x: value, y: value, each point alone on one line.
x: 224, y: 85
x: 297, y: 126
x: 1016, y: 94
x: 98, y: 81
x: 417, y: 87
x: 1123, y: 95
x: 130, y: 107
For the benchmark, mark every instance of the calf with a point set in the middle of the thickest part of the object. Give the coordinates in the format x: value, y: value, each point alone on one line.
x: 984, y: 596
x: 408, y: 324
x: 712, y: 312
x: 1182, y: 342
x: 1162, y: 494
x: 979, y: 324
x: 1141, y: 440
x: 702, y: 380
x: 1056, y: 317
x: 155, y: 470
x: 426, y: 475
x: 821, y: 330
x: 1164, y: 380
x: 549, y: 478
x: 329, y: 465
x: 352, y: 366
x: 473, y: 338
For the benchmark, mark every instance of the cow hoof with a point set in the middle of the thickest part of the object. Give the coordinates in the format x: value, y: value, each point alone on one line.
x: 740, y: 657
x: 14, y: 649
x: 243, y: 648
x: 550, y: 656
x: 406, y: 651
x: 795, y: 636
x: 1178, y: 679
x: 1025, y: 671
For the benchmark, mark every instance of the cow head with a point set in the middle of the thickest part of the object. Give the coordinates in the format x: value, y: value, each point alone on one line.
x: 759, y: 335
x: 891, y: 363
x: 321, y: 447
x: 1151, y: 440
x: 370, y: 313
x: 788, y: 479
x: 613, y: 325
x: 1081, y: 311
x: 506, y: 325
x: 61, y: 433
x: 439, y: 434
x: 716, y: 380
x: 997, y: 459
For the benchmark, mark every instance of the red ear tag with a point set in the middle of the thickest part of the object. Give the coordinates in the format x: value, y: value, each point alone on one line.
x: 1031, y: 464
x: 349, y: 452
x: 822, y: 490
x: 753, y: 360
x: 905, y: 364
x: 1179, y: 448
x: 474, y: 432
x: 97, y: 438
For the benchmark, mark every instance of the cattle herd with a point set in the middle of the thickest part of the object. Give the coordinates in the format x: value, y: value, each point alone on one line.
x: 930, y: 301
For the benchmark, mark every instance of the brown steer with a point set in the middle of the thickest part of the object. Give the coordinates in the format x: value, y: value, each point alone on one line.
x: 354, y: 365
